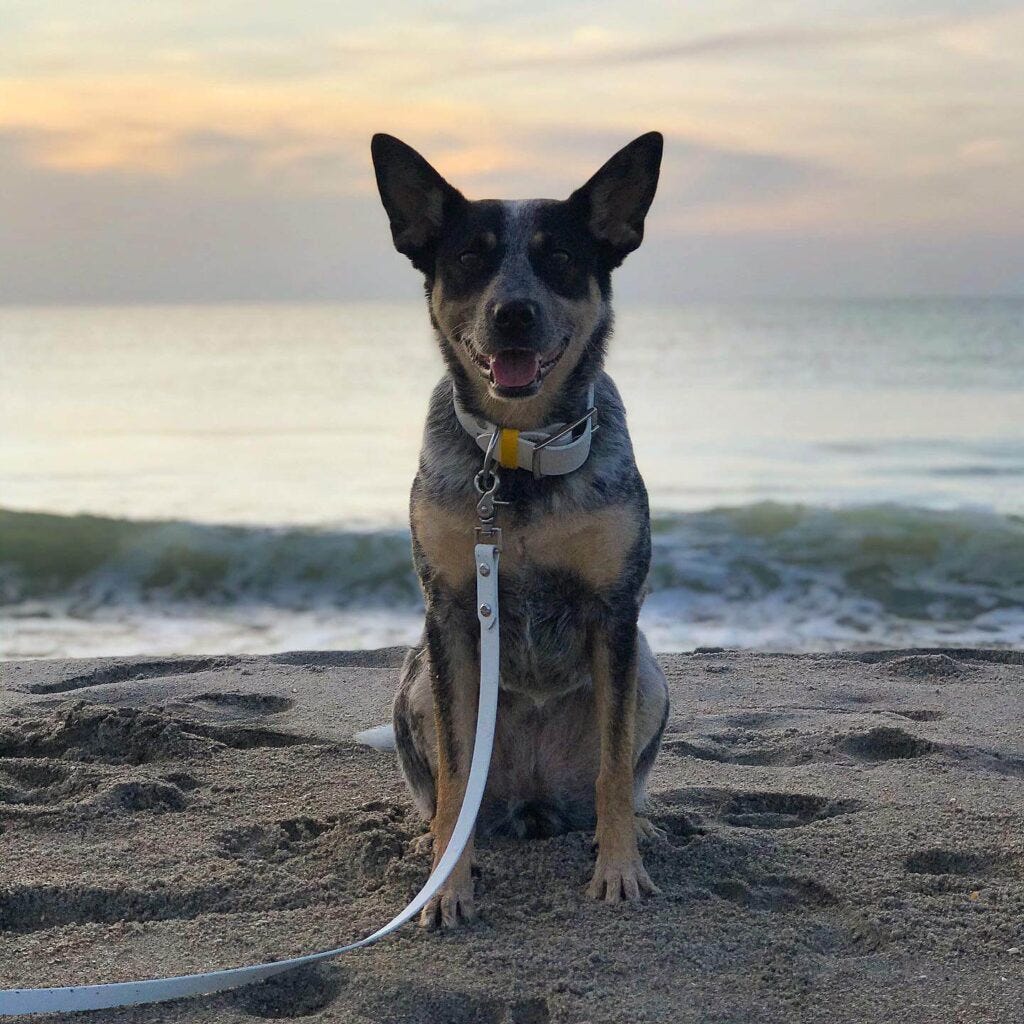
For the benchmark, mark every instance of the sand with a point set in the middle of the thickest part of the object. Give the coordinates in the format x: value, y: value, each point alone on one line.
x: 844, y: 842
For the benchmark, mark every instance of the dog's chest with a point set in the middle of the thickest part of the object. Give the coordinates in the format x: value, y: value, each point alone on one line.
x: 545, y: 619
x: 554, y: 572
x: 592, y: 545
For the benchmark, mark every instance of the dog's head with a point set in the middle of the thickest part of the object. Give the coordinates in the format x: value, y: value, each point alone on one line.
x: 519, y: 291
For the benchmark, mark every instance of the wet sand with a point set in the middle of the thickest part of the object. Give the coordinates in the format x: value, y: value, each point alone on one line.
x: 844, y: 842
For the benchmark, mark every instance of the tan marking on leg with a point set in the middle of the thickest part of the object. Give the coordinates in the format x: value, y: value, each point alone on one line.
x: 446, y: 538
x: 454, y: 903
x: 619, y: 872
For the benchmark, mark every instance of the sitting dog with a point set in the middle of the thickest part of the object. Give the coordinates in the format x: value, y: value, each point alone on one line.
x: 519, y: 295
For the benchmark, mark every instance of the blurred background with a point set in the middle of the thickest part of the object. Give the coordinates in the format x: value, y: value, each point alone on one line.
x: 214, y: 368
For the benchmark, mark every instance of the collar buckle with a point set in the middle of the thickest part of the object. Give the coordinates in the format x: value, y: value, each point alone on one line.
x: 587, y: 417
x: 549, y: 451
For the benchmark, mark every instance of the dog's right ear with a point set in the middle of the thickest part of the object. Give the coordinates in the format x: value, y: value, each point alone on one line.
x: 417, y: 199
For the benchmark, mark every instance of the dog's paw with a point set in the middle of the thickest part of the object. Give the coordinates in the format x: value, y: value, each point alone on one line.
x: 647, y: 830
x: 451, y: 907
x: 617, y: 880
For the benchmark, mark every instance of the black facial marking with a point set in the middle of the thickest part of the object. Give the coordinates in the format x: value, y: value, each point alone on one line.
x: 475, y: 229
x: 565, y: 255
x: 562, y: 253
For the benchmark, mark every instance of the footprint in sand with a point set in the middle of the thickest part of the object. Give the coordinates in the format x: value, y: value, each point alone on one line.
x: 134, y: 795
x: 126, y: 670
x: 885, y: 743
x: 753, y: 809
x: 775, y: 894
x: 250, y: 703
x: 37, y: 783
x: 790, y: 748
x: 418, y: 1004
x: 31, y: 908
x: 918, y: 714
x: 926, y: 666
x: 358, y: 849
x: 783, y: 810
x: 298, y: 993
x: 968, y: 863
x: 111, y: 735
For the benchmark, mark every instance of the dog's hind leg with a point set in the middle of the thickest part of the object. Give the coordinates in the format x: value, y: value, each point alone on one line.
x: 615, y: 652
x: 415, y: 741
x: 652, y: 708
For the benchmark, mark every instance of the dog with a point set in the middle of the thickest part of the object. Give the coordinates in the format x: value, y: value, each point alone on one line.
x: 519, y: 296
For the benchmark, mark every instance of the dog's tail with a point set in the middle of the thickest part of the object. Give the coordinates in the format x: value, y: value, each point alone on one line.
x: 380, y: 737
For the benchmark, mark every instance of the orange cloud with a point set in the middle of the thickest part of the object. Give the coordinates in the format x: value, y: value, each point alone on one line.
x: 143, y: 123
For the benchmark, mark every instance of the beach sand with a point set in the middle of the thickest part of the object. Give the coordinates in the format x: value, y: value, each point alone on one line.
x: 844, y: 842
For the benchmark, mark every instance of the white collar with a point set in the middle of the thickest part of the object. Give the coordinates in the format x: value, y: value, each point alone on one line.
x: 549, y: 451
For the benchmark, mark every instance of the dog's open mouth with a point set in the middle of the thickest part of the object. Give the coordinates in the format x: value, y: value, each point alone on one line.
x: 518, y: 370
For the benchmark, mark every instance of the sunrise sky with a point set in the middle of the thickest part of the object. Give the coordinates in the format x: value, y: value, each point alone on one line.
x: 218, y: 150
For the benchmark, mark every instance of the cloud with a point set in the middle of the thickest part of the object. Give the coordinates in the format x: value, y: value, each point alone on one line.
x: 225, y: 153
x: 119, y: 236
x: 172, y: 126
x: 767, y: 39
x: 804, y: 263
x: 725, y: 223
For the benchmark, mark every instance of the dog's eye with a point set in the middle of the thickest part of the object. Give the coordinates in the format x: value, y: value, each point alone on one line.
x: 469, y: 259
x: 560, y: 258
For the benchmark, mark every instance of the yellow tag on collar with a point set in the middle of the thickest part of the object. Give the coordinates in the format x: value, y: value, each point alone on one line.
x: 508, y: 448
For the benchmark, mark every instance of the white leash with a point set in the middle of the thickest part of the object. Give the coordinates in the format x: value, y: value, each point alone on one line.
x: 157, y: 990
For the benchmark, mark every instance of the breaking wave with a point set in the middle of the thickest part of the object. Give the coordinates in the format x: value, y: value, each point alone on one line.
x: 764, y: 575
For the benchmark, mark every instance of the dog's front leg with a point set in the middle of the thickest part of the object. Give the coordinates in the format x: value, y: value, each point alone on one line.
x: 619, y: 873
x: 454, y: 679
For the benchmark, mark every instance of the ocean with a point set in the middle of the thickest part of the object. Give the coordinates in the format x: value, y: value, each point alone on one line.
x: 823, y: 474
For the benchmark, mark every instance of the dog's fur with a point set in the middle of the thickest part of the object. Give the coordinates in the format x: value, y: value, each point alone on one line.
x: 583, y: 702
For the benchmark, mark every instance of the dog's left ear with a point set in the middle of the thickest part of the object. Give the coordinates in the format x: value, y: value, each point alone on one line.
x: 417, y: 199
x: 616, y: 199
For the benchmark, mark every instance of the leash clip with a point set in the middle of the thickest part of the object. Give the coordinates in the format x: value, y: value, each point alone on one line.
x: 489, y: 535
x: 486, y: 483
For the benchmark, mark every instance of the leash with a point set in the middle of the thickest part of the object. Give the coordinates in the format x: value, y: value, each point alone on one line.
x: 157, y: 990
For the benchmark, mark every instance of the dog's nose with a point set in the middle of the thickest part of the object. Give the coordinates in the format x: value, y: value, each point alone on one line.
x: 515, y: 316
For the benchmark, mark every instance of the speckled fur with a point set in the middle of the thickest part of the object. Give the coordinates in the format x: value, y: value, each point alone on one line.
x: 583, y: 702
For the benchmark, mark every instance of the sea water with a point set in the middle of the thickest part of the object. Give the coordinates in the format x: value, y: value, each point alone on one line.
x: 823, y: 474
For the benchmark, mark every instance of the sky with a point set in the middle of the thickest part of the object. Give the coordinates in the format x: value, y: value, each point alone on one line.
x: 218, y: 150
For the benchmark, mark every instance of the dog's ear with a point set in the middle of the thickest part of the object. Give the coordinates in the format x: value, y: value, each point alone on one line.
x: 616, y: 199
x: 417, y: 199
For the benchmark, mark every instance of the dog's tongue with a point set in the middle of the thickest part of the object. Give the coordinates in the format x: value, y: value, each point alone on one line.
x: 514, y: 367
